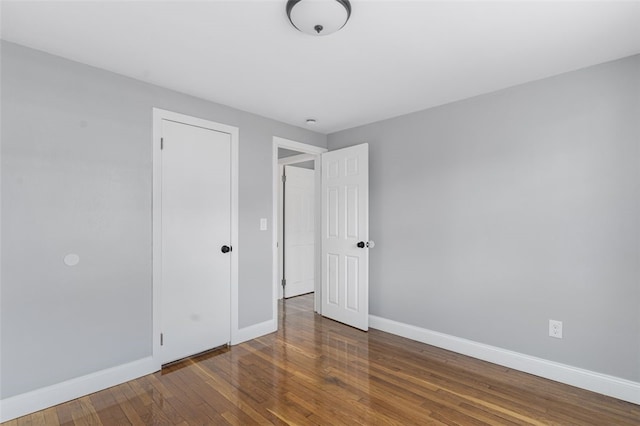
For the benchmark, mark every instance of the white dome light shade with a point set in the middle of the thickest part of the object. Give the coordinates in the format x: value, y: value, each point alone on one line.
x: 318, y: 17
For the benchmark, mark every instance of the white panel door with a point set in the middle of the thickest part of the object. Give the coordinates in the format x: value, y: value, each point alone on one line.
x: 299, y: 231
x: 345, y: 224
x: 196, y: 223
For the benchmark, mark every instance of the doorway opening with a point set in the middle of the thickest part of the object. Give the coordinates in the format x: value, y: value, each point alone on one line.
x: 296, y: 228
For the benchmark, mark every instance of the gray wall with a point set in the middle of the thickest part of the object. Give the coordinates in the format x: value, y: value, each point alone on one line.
x: 284, y: 153
x: 495, y: 214
x: 76, y: 178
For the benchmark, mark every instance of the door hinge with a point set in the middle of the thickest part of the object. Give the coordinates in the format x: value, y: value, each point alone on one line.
x: 161, y: 143
x: 284, y: 282
x: 161, y: 339
x: 284, y: 178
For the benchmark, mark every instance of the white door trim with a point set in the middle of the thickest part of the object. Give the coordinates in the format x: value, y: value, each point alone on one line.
x: 158, y: 116
x: 315, y: 151
x: 294, y: 159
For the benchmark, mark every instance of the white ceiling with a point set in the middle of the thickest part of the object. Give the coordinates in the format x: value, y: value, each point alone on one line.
x: 393, y: 57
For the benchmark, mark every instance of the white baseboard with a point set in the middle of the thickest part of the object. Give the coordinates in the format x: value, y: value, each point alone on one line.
x: 39, y: 399
x: 254, y: 331
x: 29, y: 402
x: 601, y: 383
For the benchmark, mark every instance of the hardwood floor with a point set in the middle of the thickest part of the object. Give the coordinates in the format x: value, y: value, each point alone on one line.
x: 316, y: 371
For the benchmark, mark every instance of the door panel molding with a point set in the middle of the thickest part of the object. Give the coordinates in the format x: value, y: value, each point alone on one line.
x: 158, y: 116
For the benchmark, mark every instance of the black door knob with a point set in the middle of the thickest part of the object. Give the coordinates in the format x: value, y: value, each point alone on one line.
x: 225, y: 249
x: 361, y: 244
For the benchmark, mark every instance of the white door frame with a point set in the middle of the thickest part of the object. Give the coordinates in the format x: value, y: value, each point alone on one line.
x: 315, y: 152
x: 158, y: 116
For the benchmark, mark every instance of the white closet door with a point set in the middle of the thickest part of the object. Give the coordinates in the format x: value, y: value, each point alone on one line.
x: 196, y: 223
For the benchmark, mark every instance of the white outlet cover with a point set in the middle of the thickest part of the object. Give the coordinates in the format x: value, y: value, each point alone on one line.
x: 555, y: 329
x: 71, y: 259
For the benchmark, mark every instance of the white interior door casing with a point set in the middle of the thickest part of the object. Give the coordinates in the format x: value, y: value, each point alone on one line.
x: 196, y: 222
x: 299, y: 231
x: 345, y: 223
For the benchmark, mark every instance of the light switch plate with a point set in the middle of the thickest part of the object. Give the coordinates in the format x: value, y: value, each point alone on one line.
x: 263, y: 224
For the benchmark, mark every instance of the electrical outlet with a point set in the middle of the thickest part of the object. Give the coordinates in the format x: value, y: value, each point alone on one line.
x: 555, y: 329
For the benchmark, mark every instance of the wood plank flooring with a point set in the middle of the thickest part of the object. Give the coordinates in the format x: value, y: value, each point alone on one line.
x: 316, y: 371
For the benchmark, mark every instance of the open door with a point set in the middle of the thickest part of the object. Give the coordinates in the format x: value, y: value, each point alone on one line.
x: 345, y: 235
x: 299, y: 231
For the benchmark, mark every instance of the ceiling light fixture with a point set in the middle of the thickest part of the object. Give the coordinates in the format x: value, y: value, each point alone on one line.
x: 318, y: 17
x: 311, y: 121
